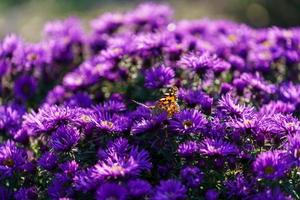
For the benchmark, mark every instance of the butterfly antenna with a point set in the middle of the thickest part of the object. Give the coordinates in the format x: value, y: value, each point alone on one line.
x: 141, y: 104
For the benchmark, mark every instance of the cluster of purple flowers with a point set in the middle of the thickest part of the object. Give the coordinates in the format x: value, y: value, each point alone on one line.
x: 70, y: 130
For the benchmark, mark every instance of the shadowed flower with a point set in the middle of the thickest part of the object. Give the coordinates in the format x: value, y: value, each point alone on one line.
x: 25, y: 87
x: 191, y: 176
x: 272, y: 194
x: 111, y: 191
x: 64, y: 138
x: 188, y: 122
x: 48, y: 160
x: 293, y: 147
x: 138, y: 188
x: 26, y: 194
x: 271, y: 165
x: 213, y: 147
x: 170, y: 190
x: 159, y: 77
x: 238, y: 187
x: 12, y: 158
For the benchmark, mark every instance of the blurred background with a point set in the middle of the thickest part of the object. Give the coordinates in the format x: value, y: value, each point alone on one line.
x: 26, y: 17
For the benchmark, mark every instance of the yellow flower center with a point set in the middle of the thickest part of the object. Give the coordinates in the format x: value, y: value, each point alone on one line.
x: 187, y: 124
x: 107, y: 124
x: 269, y: 170
x: 8, y: 162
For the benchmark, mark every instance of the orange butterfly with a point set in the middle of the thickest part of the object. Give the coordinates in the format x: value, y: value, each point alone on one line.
x: 168, y: 103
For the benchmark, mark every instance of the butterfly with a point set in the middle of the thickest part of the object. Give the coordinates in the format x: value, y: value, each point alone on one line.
x: 168, y: 103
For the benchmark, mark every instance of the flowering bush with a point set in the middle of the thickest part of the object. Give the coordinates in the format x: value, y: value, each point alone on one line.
x: 70, y: 127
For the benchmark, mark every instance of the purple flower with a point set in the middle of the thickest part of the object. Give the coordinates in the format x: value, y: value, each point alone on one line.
x: 290, y: 92
x: 127, y: 161
x: 159, y: 77
x: 229, y: 105
x: 48, y: 160
x: 85, y: 180
x: 107, y: 23
x: 111, y: 106
x: 48, y: 118
x: 188, y: 148
x: 188, y: 122
x: 64, y: 138
x: 11, y: 118
x: 191, y: 176
x: 12, y: 159
x: 145, y: 125
x: 271, y: 165
x: 213, y: 147
x: 5, y: 193
x: 111, y: 191
x: 196, y: 97
x: 69, y: 168
x: 111, y: 123
x: 60, y: 187
x: 25, y: 87
x: 170, y: 190
x: 272, y: 194
x: 79, y: 100
x: 211, y: 194
x: 150, y: 16
x: 293, y: 147
x: 138, y: 188
x: 238, y: 187
x: 26, y: 194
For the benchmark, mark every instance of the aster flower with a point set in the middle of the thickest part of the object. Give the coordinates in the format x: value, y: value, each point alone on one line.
x: 272, y: 194
x: 196, y: 97
x: 213, y: 147
x: 274, y: 107
x: 131, y: 164
x: 111, y: 106
x: 150, y: 16
x: 85, y: 180
x: 188, y: 148
x: 107, y: 23
x: 25, y: 87
x: 293, y: 147
x: 5, y: 193
x: 9, y: 45
x: 138, y: 188
x: 49, y: 118
x: 271, y: 165
x: 229, y: 105
x: 111, y: 123
x: 79, y: 100
x: 144, y: 125
x: 211, y: 194
x: 60, y: 187
x: 11, y: 118
x: 188, y: 122
x: 48, y: 160
x: 64, y: 138
x: 69, y: 168
x: 238, y: 187
x: 159, y: 77
x: 111, y: 191
x: 289, y: 92
x: 26, y: 194
x: 12, y: 159
x: 191, y: 176
x: 170, y: 190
